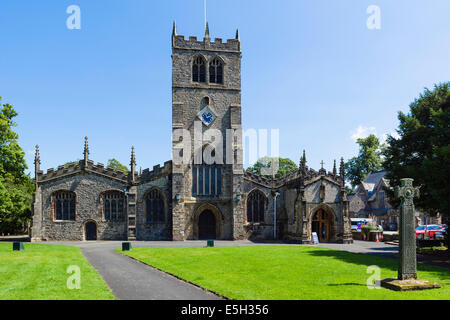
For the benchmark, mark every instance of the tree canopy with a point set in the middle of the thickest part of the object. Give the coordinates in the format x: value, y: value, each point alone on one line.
x: 285, y: 166
x: 368, y: 160
x: 117, y: 166
x: 16, y: 188
x: 422, y: 151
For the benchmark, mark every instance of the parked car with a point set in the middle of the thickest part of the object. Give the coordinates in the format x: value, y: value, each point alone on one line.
x: 429, y: 231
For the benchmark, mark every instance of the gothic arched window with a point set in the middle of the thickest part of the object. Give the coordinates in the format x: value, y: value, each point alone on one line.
x: 113, y: 206
x: 154, y: 204
x: 199, y: 70
x: 206, y: 181
x: 64, y: 205
x: 216, y: 71
x: 256, y: 205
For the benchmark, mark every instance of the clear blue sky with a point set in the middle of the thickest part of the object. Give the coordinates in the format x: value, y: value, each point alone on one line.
x: 310, y: 68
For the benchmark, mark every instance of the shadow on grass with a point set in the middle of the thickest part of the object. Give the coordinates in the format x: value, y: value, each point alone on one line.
x: 380, y: 260
x: 346, y: 284
x: 15, y: 239
x: 392, y: 249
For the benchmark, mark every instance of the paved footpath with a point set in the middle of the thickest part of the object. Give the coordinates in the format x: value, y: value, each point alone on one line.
x: 132, y: 280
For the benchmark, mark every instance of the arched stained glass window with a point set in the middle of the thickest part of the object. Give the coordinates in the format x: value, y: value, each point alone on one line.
x: 155, y: 207
x: 64, y: 205
x: 206, y: 181
x: 256, y: 205
x: 114, y: 206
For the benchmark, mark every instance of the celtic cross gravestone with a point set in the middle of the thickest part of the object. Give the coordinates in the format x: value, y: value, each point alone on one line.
x: 407, y: 268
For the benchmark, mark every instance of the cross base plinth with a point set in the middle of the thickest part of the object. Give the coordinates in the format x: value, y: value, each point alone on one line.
x: 409, y: 285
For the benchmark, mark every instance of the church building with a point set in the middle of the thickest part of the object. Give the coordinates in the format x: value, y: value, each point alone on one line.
x: 193, y: 200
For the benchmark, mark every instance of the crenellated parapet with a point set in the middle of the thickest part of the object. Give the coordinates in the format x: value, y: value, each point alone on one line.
x: 180, y: 42
x: 73, y: 168
x: 259, y: 179
x: 156, y: 173
x: 295, y: 178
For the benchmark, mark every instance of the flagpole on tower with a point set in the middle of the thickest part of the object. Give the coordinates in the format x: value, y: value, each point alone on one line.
x: 204, y: 5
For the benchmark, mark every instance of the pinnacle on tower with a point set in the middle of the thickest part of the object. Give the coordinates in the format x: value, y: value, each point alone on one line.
x: 237, y: 35
x: 341, y: 168
x: 207, y: 31
x: 86, y: 151
x: 133, y: 157
x: 132, y: 165
x: 174, y: 30
x: 303, y: 161
x: 37, y: 163
x: 37, y: 158
x: 334, y: 168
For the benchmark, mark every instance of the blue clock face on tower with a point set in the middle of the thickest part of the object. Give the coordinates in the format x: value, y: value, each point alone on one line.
x: 207, y: 116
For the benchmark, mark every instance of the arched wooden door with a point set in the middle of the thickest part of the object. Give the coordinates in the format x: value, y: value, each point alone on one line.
x: 91, y: 231
x: 321, y: 224
x: 207, y: 225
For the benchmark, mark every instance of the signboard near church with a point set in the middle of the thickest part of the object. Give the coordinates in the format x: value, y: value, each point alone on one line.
x: 315, y: 238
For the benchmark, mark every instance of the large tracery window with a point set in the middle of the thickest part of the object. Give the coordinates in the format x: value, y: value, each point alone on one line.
x: 206, y: 181
x: 199, y: 70
x: 256, y: 205
x: 216, y: 71
x: 64, y: 205
x: 154, y: 203
x: 114, y: 206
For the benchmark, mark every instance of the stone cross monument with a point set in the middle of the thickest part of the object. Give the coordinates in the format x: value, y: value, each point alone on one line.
x: 407, y: 268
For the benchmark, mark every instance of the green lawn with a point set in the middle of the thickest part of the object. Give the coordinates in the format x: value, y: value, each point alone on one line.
x: 39, y: 273
x: 286, y: 272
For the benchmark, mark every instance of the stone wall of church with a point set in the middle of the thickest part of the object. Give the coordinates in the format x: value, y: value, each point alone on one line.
x: 154, y: 231
x: 288, y: 215
x: 87, y: 188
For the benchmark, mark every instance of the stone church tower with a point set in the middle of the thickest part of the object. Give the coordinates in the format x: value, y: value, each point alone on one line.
x: 206, y: 102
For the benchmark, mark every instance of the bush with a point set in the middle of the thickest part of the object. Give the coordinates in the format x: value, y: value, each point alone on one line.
x: 369, y: 228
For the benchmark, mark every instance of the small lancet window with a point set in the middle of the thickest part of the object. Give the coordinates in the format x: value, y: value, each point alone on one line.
x: 216, y: 71
x: 199, y: 70
x: 205, y: 102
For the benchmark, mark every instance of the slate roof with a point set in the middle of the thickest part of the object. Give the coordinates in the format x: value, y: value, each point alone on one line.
x: 372, y: 180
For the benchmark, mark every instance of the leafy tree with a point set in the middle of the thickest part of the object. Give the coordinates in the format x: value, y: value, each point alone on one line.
x: 16, y: 188
x: 67, y: 164
x: 422, y: 151
x: 368, y: 160
x: 285, y: 166
x: 117, y: 166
